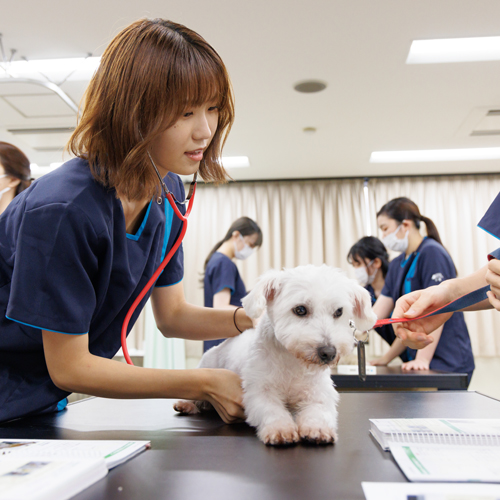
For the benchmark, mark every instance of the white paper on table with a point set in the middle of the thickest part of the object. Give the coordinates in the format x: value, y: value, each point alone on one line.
x: 437, y: 462
x: 353, y: 370
x: 430, y: 491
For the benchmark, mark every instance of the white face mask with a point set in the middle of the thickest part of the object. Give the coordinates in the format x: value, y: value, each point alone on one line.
x: 245, y: 252
x: 361, y: 273
x: 5, y: 189
x: 392, y: 242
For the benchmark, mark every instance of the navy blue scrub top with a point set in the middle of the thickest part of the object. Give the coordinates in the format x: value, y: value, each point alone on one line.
x: 429, y: 265
x: 67, y: 265
x: 222, y: 272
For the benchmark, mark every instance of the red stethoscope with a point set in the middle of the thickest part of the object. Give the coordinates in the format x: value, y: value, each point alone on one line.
x: 173, y: 203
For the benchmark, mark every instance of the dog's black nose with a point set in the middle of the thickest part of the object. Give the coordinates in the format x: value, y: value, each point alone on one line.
x: 327, y: 353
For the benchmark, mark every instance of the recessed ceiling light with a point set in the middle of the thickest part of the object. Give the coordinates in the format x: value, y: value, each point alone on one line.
x: 448, y: 50
x: 310, y: 86
x: 435, y: 155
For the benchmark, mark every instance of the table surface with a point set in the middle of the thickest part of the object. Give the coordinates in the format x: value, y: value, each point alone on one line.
x: 199, y: 457
x: 392, y: 377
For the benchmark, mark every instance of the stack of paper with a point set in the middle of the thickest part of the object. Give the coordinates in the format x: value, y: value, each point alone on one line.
x: 461, y: 450
x: 58, y: 469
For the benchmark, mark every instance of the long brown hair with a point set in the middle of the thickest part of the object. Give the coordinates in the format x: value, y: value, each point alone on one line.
x: 401, y: 209
x: 149, y: 75
x: 16, y: 164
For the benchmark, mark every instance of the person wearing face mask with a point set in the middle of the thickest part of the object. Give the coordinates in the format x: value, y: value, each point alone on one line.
x: 15, y: 173
x: 370, y: 260
x: 223, y: 286
x: 423, y: 262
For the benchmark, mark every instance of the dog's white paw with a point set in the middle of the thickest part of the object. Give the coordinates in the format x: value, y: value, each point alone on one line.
x: 279, y: 434
x: 317, y: 435
x: 186, y: 407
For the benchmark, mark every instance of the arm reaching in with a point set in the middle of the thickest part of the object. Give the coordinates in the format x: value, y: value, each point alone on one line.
x: 396, y: 349
x: 73, y: 368
x: 421, y: 302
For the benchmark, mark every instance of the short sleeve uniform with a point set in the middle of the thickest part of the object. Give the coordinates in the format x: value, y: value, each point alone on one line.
x: 429, y: 265
x: 68, y: 265
x: 221, y: 272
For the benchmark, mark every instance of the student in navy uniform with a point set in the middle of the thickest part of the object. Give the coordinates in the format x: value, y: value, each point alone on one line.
x: 417, y: 333
x: 370, y: 260
x: 78, y: 246
x: 223, y: 286
x: 423, y: 262
x: 15, y: 173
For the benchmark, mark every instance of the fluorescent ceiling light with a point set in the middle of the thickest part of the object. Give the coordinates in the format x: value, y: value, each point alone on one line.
x: 435, y: 155
x: 454, y: 50
x: 235, y: 161
x: 78, y: 68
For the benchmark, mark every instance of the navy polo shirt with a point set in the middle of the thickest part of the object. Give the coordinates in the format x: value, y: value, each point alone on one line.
x: 221, y: 272
x: 429, y: 265
x: 68, y: 265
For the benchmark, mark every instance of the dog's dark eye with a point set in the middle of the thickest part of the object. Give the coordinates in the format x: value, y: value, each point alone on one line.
x: 338, y: 313
x: 300, y: 310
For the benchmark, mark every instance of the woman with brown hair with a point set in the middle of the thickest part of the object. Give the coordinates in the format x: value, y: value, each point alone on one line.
x: 88, y: 236
x: 423, y: 262
x: 222, y: 284
x: 15, y: 173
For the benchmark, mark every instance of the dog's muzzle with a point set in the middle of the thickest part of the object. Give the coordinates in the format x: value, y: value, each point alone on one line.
x: 327, y: 353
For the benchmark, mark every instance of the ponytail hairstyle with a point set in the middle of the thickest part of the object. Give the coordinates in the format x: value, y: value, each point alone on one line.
x: 401, y: 209
x: 16, y: 164
x: 245, y: 226
x: 370, y: 248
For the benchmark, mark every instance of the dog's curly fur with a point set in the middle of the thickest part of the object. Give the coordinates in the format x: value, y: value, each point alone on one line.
x: 285, y: 361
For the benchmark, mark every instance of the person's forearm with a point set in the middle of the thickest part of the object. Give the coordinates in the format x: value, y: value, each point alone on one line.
x: 204, y: 323
x: 112, y: 379
x: 395, y: 350
x: 462, y: 286
x: 427, y: 353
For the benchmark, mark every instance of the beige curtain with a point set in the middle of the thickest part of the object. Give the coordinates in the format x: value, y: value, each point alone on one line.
x: 302, y: 222
x: 455, y: 204
x: 317, y: 222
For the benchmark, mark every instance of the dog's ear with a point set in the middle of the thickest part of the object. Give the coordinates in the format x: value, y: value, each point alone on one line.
x: 364, y: 317
x: 265, y: 290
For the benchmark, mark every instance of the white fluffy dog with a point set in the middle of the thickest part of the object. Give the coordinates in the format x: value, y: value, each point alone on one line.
x: 285, y: 361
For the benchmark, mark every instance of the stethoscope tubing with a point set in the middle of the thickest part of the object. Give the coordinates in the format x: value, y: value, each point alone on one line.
x: 161, y: 267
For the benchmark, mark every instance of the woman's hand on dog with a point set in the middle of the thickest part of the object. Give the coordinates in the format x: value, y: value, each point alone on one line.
x: 222, y: 389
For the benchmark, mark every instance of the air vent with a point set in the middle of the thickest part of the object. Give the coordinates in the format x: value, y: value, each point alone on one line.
x: 480, y: 133
x: 49, y: 149
x: 53, y: 130
x: 488, y: 125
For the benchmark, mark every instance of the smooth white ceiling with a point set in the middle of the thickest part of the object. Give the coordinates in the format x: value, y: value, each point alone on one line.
x: 373, y: 102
